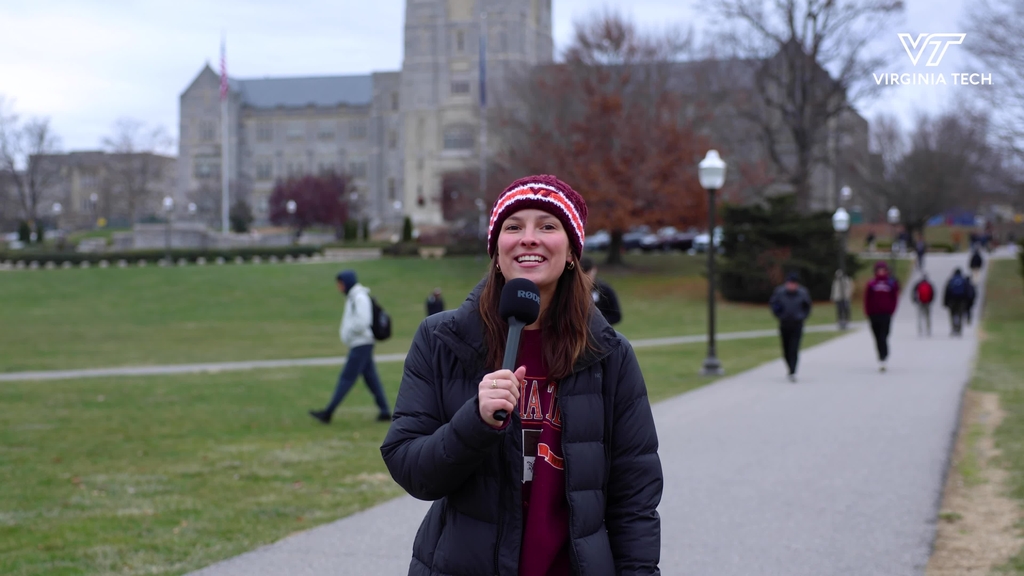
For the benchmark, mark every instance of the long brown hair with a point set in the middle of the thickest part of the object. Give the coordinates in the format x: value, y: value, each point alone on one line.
x: 564, y: 323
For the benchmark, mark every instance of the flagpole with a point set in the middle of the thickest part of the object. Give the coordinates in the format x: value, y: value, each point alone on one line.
x: 225, y: 142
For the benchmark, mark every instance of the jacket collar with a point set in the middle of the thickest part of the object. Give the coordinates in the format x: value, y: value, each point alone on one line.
x: 462, y: 331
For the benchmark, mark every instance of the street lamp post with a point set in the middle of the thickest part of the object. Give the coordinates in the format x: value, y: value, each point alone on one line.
x: 711, y: 172
x: 841, y: 223
x: 894, y: 218
x: 290, y: 207
x: 168, y: 208
x: 57, y: 211
x: 94, y: 199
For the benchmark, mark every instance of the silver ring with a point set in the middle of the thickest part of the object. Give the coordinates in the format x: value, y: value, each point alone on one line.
x: 494, y: 383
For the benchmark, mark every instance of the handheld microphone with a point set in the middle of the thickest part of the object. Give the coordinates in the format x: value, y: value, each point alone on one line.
x: 520, y: 307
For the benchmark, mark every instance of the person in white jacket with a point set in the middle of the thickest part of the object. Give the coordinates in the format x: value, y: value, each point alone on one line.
x: 356, y: 333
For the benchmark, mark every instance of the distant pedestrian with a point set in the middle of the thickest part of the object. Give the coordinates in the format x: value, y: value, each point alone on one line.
x: 956, y: 298
x: 920, y: 249
x: 435, y: 303
x: 791, y: 304
x: 976, y: 263
x: 603, y: 295
x: 870, y: 241
x: 880, y: 299
x: 842, y: 293
x: 356, y: 333
x: 923, y: 294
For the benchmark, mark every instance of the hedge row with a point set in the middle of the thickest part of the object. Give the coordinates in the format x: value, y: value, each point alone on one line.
x: 457, y: 249
x: 133, y: 256
x: 886, y: 245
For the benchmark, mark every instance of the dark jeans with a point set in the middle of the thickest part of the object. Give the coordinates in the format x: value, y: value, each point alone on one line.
x: 956, y: 316
x: 791, y: 334
x: 880, y: 324
x: 359, y: 361
x: 843, y: 313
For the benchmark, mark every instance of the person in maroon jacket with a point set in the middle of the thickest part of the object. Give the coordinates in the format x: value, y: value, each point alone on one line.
x: 880, y: 299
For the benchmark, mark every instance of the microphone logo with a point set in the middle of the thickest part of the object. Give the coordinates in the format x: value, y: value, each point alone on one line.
x: 531, y: 295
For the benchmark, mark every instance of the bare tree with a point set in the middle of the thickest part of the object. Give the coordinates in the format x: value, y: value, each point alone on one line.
x: 133, y: 164
x: 24, y: 158
x: 813, y: 65
x: 996, y: 38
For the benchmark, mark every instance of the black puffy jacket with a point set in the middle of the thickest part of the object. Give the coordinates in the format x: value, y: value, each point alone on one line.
x: 438, y: 448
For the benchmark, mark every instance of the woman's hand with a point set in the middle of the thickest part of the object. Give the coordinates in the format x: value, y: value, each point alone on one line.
x: 499, y: 391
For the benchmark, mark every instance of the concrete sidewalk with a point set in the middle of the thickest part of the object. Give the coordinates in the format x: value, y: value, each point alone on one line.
x: 840, y: 473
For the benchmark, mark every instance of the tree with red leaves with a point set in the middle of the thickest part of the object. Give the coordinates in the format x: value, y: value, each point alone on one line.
x: 614, y: 124
x: 318, y: 200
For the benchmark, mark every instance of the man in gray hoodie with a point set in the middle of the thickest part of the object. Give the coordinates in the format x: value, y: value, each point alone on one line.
x: 791, y: 304
x: 357, y: 334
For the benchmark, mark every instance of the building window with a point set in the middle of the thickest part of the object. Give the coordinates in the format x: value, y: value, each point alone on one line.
x: 264, y: 171
x: 458, y: 137
x: 326, y: 131
x: 296, y: 130
x: 460, y: 41
x: 206, y: 168
x: 206, y: 131
x: 460, y: 86
x: 357, y: 169
x: 264, y: 132
x: 392, y: 139
x: 391, y: 188
x: 394, y: 100
x: 357, y: 130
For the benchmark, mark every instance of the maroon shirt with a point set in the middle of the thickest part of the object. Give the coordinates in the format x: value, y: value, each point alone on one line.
x: 881, y: 296
x: 545, y: 507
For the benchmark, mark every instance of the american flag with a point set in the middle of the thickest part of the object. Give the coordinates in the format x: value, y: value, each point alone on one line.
x: 223, y: 72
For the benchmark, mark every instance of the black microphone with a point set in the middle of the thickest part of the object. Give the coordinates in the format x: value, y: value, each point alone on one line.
x: 520, y: 307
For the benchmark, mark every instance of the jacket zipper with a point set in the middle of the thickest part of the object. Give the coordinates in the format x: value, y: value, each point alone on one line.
x: 501, y: 508
x: 572, y: 543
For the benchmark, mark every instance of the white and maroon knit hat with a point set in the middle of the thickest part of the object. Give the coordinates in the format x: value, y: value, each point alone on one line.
x: 542, y: 192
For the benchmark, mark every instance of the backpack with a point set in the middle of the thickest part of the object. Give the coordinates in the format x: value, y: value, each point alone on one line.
x: 380, y: 324
x: 958, y: 287
x: 925, y: 292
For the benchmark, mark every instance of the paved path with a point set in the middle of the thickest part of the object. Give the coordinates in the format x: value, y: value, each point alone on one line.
x: 839, y: 474
x: 329, y: 361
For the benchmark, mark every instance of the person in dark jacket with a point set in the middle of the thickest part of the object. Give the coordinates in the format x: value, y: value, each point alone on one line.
x: 570, y: 481
x: 976, y: 263
x: 956, y: 298
x: 435, y: 303
x: 791, y: 304
x: 603, y: 294
x: 881, y: 296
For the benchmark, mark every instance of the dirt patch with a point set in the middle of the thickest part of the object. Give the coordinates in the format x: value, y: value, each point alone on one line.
x: 976, y: 528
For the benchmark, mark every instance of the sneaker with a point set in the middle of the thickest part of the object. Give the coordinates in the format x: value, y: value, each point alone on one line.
x: 385, y: 417
x: 881, y: 366
x: 322, y: 415
x: 792, y: 378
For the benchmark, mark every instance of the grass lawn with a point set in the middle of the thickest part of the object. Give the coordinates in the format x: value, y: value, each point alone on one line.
x: 62, y: 319
x: 163, y: 475
x: 1000, y: 367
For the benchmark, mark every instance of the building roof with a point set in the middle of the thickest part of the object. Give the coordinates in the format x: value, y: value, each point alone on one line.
x: 322, y: 91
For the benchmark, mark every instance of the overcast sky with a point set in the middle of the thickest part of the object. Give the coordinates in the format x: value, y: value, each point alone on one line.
x: 85, y: 63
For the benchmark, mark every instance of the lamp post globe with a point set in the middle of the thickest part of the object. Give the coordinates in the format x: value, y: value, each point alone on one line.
x: 290, y: 206
x: 711, y: 173
x: 893, y: 215
x: 845, y: 193
x: 841, y: 220
x: 168, y: 203
x: 57, y: 209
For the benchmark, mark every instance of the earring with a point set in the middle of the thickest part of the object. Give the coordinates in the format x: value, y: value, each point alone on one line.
x: 572, y: 265
x: 497, y: 267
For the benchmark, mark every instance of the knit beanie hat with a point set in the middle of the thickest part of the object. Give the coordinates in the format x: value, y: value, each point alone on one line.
x: 542, y: 192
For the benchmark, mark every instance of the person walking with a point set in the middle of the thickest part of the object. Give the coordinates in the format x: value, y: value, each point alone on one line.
x: 976, y: 263
x: 923, y: 294
x: 956, y: 297
x: 603, y: 295
x: 356, y: 333
x: 791, y: 304
x: 435, y: 304
x: 842, y: 293
x: 881, y: 297
x: 920, y: 249
x: 870, y: 242
x: 570, y: 480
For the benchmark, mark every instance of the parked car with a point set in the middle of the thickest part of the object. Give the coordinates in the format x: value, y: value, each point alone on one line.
x: 597, y: 241
x: 700, y: 242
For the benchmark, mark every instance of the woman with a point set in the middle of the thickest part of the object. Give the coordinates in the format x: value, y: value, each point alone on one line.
x: 570, y: 482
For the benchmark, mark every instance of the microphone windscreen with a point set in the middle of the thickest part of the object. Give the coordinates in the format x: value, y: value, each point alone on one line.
x: 520, y: 299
